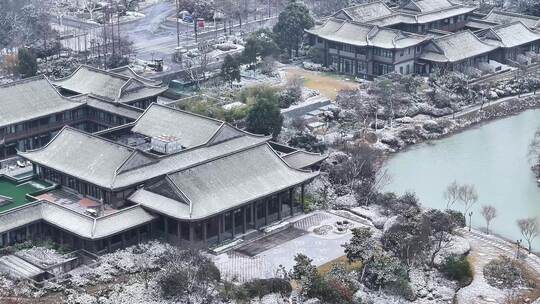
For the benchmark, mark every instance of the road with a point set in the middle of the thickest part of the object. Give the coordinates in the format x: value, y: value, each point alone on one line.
x: 154, y: 35
x: 475, y: 108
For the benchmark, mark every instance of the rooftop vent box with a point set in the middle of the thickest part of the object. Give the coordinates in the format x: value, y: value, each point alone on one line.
x: 166, y: 144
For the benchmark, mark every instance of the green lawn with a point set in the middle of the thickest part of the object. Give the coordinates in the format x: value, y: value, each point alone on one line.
x: 18, y: 191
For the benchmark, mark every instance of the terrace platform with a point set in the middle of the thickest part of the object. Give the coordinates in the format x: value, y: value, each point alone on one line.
x: 75, y: 202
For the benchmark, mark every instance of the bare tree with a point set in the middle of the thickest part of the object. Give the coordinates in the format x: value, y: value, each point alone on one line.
x: 489, y: 213
x: 451, y: 194
x: 363, y: 106
x: 91, y: 6
x: 530, y: 229
x: 468, y: 197
x: 196, y: 66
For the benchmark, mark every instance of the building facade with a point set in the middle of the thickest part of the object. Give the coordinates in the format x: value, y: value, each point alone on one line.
x: 373, y: 39
x: 215, y: 184
x: 35, y: 109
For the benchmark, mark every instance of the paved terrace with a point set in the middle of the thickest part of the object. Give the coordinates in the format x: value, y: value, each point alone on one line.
x: 261, y: 258
x: 75, y: 202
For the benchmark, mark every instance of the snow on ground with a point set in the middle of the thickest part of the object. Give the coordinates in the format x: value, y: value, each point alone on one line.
x: 129, y: 260
x: 479, y: 291
x: 42, y: 256
x: 459, y: 246
x: 320, y: 248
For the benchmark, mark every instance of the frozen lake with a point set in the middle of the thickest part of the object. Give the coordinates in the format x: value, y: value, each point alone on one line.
x: 492, y: 156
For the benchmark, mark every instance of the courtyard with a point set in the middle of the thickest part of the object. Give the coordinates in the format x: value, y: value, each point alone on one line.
x: 319, y: 235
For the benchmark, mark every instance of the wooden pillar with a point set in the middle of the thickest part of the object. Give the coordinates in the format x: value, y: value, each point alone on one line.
x: 291, y: 191
x: 204, y: 226
x: 151, y: 230
x: 233, y: 223
x: 223, y: 226
x: 179, y: 232
x: 220, y: 236
x: 280, y: 206
x: 302, y: 198
x: 266, y: 212
x: 191, y: 232
x: 253, y: 219
x: 166, y: 227
x: 244, y: 225
x: 139, y: 235
x: 27, y: 232
x: 123, y: 236
x: 8, y: 235
x: 108, y: 244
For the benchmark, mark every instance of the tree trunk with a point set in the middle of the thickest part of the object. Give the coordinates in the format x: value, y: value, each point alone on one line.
x: 363, y: 273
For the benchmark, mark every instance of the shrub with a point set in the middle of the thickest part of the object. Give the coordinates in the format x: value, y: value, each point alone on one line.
x: 171, y: 284
x: 307, y: 142
x: 262, y: 287
x: 332, y: 291
x: 458, y: 218
x: 457, y: 268
x: 505, y: 273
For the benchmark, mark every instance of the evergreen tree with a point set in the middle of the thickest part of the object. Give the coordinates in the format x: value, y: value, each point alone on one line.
x: 292, y: 22
x: 259, y: 44
x: 230, y: 70
x: 27, y: 63
x: 264, y: 117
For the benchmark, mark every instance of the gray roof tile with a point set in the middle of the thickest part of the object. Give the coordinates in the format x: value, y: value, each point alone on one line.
x: 358, y: 34
x: 456, y: 47
x: 77, y: 223
x: 225, y: 183
x: 30, y: 99
x: 191, y: 129
x: 510, y: 35
x: 503, y: 17
x: 113, y: 86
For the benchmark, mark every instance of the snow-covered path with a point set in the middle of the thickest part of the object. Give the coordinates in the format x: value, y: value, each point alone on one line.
x: 485, y: 248
x: 532, y: 260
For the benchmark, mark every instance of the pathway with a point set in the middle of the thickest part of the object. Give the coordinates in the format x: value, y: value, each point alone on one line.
x: 508, y: 248
x: 485, y: 248
x: 475, y: 108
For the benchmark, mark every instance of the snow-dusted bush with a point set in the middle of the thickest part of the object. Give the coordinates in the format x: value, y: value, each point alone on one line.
x: 505, y: 273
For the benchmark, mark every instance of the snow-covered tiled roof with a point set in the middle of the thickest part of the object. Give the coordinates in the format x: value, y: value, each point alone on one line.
x: 224, y: 183
x: 106, y: 84
x: 456, y: 47
x: 80, y: 224
x: 510, y: 35
x: 31, y: 98
x: 354, y: 33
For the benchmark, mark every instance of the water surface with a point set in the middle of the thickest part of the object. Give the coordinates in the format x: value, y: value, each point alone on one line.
x: 492, y: 156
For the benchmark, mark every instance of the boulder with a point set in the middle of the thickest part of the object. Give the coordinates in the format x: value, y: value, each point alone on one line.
x: 492, y: 95
x: 391, y: 140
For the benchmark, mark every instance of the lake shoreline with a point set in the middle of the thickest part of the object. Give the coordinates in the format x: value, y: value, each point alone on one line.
x: 474, y: 120
x: 478, y: 118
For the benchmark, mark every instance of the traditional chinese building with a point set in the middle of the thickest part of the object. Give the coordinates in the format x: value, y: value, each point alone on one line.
x: 192, y: 180
x: 372, y: 39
